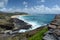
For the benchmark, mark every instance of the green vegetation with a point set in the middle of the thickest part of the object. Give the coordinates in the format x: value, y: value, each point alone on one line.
x: 39, y: 34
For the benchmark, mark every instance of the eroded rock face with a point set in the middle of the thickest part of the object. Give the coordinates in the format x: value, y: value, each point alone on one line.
x: 15, y: 23
x: 25, y: 27
x: 20, y: 23
x: 6, y: 27
x: 55, y: 27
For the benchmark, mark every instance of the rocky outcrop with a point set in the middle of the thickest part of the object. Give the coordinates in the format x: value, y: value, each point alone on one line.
x: 6, y: 27
x: 20, y: 24
x: 54, y: 29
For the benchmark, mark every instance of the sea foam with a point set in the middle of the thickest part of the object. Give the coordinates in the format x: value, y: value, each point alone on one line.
x: 34, y: 24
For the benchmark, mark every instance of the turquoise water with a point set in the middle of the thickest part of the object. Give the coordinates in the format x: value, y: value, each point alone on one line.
x: 37, y: 20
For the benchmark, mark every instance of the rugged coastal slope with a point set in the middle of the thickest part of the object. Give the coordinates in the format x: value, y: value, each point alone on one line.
x: 24, y: 36
x: 7, y: 34
x: 6, y: 26
x: 54, y: 30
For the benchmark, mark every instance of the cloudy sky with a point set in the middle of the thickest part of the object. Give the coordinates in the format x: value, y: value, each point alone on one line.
x: 30, y: 6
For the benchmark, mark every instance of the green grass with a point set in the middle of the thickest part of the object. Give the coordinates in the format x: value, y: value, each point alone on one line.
x: 39, y: 34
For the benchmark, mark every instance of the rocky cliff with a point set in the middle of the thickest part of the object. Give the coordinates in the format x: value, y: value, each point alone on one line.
x: 54, y: 29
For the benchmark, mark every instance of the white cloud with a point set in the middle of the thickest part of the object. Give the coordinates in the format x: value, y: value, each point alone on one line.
x: 42, y: 0
x: 7, y: 10
x: 3, y: 3
x: 42, y: 9
x: 36, y: 9
x: 25, y: 4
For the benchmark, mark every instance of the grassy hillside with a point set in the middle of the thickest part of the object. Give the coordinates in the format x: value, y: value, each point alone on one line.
x: 39, y: 34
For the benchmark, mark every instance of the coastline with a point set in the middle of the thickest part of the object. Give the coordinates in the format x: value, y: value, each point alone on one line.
x: 27, y: 34
x: 53, y: 29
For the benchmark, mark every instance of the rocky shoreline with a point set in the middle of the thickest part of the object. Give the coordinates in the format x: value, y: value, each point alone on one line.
x: 54, y: 29
x: 15, y: 33
x: 24, y: 36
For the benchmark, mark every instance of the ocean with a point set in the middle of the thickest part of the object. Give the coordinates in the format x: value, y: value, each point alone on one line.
x: 36, y: 20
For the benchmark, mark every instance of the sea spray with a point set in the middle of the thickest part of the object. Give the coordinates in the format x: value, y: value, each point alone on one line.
x: 36, y: 21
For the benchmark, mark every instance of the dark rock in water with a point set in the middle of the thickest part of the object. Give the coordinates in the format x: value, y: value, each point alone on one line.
x: 15, y: 23
x: 20, y: 23
x: 25, y: 27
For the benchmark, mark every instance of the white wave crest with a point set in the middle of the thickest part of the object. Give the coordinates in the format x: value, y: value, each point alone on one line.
x: 34, y: 24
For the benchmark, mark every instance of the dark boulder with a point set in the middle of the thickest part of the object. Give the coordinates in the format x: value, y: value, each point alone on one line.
x: 6, y: 27
x: 25, y: 27
x: 20, y: 23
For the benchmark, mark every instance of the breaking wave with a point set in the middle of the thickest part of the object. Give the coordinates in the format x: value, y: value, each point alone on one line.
x: 35, y: 21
